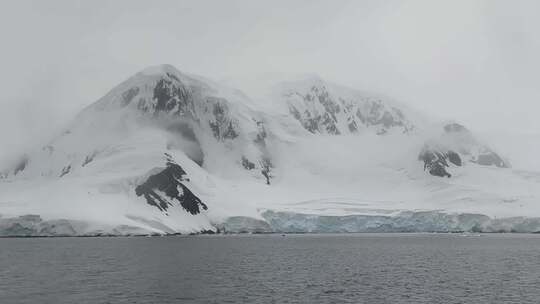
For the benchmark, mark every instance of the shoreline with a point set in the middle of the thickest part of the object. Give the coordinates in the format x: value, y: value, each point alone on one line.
x: 455, y: 233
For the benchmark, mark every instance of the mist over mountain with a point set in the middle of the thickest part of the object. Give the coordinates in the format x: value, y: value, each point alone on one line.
x: 470, y: 61
x: 170, y: 152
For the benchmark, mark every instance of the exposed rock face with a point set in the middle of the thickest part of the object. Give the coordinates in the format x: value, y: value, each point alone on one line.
x: 21, y: 165
x: 248, y: 165
x: 317, y: 120
x: 318, y: 111
x: 223, y: 127
x: 490, y: 158
x: 456, y: 146
x: 454, y: 127
x: 462, y: 140
x: 89, y: 158
x: 378, y: 114
x: 173, y: 97
x: 260, y: 139
x: 436, y: 162
x: 65, y: 170
x: 177, y: 96
x: 266, y: 167
x: 170, y: 94
x: 454, y: 158
x: 165, y: 188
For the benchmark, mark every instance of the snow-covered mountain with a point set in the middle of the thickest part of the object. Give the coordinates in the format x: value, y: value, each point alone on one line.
x: 168, y: 152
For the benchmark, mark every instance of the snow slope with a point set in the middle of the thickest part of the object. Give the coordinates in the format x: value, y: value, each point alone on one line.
x: 168, y: 152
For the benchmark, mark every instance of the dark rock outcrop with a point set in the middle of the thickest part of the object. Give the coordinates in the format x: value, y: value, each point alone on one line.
x: 21, y: 165
x: 266, y: 167
x: 89, y: 158
x: 490, y: 158
x: 221, y: 124
x: 169, y: 183
x: 464, y: 142
x: 314, y: 121
x: 379, y: 115
x: 454, y: 158
x: 192, y: 101
x: 436, y: 162
x: 248, y: 165
x: 319, y: 112
x: 65, y: 170
x: 454, y: 127
x: 170, y: 94
x: 260, y: 139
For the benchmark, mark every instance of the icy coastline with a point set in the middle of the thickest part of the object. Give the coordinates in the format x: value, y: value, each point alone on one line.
x: 288, y: 222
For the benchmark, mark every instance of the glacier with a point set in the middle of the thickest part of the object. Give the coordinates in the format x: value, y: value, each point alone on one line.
x: 287, y: 222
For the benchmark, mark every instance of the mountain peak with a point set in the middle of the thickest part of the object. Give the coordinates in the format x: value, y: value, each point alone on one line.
x: 159, y: 70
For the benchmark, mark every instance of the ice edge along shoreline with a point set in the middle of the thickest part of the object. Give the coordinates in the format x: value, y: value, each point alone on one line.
x: 172, y: 235
x: 276, y: 222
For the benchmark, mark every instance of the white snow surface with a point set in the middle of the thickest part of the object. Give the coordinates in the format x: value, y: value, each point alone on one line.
x: 361, y: 173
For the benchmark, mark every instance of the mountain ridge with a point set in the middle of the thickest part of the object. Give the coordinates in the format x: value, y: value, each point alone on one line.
x: 169, y: 152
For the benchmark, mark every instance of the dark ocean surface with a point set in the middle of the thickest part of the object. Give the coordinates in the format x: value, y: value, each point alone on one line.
x: 311, y: 268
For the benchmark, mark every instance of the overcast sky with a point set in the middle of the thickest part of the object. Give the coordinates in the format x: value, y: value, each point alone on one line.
x: 473, y: 61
